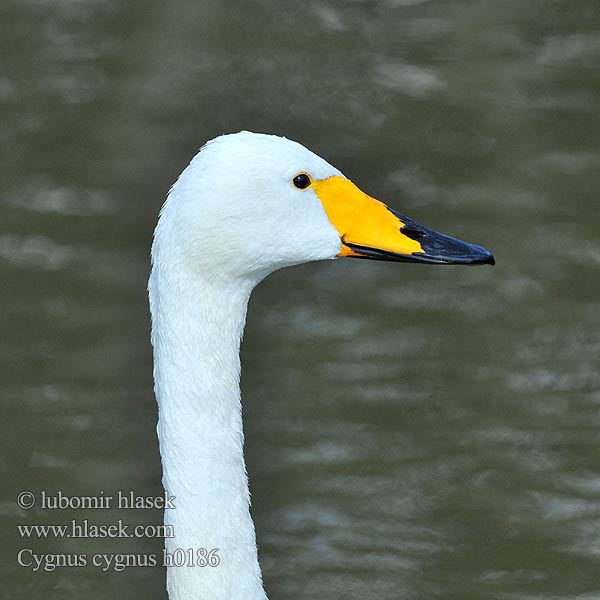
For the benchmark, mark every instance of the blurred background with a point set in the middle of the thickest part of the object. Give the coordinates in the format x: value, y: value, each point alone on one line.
x: 411, y: 431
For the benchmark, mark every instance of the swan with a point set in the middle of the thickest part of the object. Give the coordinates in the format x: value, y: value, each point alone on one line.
x: 246, y: 205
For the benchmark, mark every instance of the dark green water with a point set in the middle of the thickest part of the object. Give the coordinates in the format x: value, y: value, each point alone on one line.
x: 412, y: 432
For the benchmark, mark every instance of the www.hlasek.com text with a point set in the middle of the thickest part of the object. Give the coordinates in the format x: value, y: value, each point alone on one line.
x: 85, y: 529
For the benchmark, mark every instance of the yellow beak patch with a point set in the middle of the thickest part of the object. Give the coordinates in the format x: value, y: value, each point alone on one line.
x: 362, y: 220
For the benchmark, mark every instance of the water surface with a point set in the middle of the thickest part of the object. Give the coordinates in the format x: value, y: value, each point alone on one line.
x: 412, y: 432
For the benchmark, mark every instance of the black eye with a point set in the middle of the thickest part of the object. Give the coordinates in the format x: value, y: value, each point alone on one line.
x: 301, y: 181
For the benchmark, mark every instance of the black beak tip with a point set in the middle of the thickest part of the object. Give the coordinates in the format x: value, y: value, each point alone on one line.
x: 459, y: 253
x: 485, y: 257
x: 438, y: 248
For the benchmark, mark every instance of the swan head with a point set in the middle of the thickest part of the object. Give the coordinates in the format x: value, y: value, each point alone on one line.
x: 251, y: 203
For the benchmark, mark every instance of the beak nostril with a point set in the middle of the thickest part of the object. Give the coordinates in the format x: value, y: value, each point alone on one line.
x: 412, y: 232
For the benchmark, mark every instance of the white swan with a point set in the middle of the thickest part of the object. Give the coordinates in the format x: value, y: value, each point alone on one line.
x: 247, y: 204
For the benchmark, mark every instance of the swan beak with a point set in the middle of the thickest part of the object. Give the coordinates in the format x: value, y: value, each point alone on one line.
x: 370, y: 229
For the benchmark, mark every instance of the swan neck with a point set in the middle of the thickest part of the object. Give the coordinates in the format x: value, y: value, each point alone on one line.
x: 197, y: 327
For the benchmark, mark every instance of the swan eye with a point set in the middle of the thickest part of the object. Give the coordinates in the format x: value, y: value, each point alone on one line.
x: 301, y: 181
